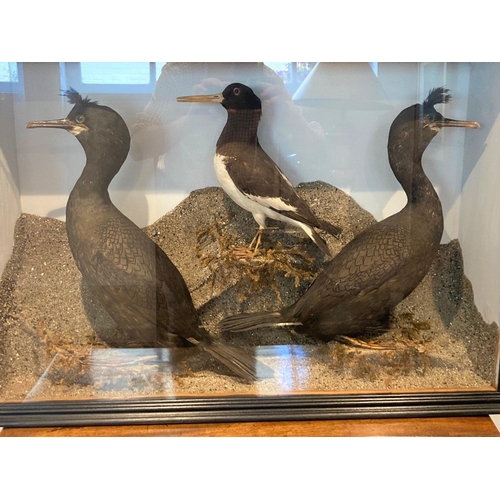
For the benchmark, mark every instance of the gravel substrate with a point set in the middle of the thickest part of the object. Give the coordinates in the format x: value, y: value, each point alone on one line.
x: 54, y: 336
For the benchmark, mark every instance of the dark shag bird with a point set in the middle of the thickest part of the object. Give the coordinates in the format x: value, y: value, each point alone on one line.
x: 385, y: 262
x: 249, y: 176
x: 131, y: 276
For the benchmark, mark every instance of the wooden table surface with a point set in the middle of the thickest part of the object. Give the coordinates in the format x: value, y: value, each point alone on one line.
x: 445, y: 426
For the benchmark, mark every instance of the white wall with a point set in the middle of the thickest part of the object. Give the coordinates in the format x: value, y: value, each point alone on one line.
x: 480, y: 201
x: 10, y: 200
x: 10, y: 209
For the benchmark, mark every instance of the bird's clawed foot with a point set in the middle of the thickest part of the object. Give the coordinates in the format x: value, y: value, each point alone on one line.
x: 249, y: 252
x: 365, y: 345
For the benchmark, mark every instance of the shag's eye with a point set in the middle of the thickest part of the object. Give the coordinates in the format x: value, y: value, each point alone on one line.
x: 79, y: 119
x: 236, y: 91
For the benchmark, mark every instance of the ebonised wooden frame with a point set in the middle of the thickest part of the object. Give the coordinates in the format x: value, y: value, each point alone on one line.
x: 247, y: 408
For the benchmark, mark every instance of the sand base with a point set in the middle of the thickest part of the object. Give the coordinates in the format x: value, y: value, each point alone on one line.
x: 55, y: 337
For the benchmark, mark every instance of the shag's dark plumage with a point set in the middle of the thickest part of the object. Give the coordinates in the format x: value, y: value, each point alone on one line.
x: 249, y: 176
x: 128, y: 273
x: 384, y: 263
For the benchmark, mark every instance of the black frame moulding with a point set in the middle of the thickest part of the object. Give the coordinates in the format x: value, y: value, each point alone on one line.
x: 248, y: 408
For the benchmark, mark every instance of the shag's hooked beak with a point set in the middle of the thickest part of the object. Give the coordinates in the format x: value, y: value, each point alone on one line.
x: 448, y: 122
x: 62, y: 123
x: 201, y: 98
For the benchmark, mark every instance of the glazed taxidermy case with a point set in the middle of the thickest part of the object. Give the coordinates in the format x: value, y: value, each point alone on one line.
x: 254, y: 242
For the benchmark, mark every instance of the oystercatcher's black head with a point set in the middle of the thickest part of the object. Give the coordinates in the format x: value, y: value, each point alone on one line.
x: 239, y: 96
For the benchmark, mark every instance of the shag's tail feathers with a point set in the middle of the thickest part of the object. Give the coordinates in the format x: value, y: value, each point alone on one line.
x: 249, y: 321
x: 329, y: 228
x: 244, y: 365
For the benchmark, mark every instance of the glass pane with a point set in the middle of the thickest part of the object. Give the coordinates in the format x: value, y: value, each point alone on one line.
x: 8, y: 72
x: 292, y: 73
x: 159, y: 66
x: 330, y: 133
x: 115, y: 73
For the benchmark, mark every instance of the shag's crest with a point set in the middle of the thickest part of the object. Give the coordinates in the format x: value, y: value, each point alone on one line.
x: 75, y: 97
x: 437, y: 96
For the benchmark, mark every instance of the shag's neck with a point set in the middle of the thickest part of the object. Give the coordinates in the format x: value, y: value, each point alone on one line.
x: 241, y: 126
x: 101, y: 167
x: 91, y: 185
x: 406, y: 163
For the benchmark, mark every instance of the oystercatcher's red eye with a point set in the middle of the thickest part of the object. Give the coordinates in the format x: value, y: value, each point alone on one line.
x: 236, y: 91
